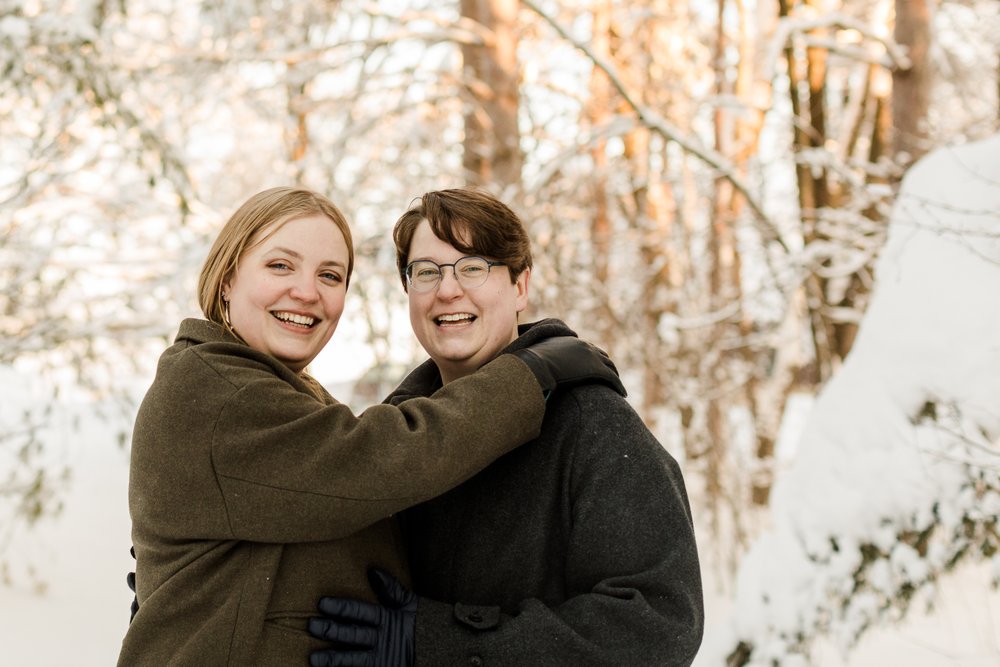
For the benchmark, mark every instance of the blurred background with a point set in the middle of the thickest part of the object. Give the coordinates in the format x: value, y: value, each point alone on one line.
x: 708, y: 186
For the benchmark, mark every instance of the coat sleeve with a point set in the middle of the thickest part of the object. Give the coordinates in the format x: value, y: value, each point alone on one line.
x: 632, y: 577
x: 291, y: 469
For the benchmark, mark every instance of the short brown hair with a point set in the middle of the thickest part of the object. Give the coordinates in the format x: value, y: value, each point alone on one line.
x: 471, y: 220
x: 270, y: 208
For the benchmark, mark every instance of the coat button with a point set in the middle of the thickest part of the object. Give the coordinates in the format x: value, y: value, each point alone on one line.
x: 476, y: 661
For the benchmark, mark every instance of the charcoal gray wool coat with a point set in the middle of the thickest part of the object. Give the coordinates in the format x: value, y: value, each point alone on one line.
x: 253, y: 493
x: 576, y: 549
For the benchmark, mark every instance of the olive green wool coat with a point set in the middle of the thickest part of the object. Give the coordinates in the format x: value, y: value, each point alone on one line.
x: 251, y: 497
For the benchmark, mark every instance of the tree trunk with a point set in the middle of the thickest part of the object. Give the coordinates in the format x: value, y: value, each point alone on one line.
x: 911, y: 88
x: 492, y: 138
x: 600, y: 106
x: 598, y: 111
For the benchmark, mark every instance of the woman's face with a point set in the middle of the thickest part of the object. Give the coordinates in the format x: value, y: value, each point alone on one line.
x: 288, y: 291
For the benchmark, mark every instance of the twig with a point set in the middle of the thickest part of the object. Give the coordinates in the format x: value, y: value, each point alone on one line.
x: 658, y: 124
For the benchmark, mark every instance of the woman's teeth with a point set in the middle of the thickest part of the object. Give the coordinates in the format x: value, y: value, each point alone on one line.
x: 294, y: 318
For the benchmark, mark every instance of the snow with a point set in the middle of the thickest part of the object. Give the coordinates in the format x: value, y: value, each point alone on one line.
x: 867, y: 464
x: 79, y: 559
x: 903, y: 439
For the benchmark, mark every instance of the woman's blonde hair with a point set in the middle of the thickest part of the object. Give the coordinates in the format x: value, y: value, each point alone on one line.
x: 265, y: 210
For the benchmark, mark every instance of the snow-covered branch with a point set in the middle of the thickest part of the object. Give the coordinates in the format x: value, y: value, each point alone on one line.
x: 655, y: 122
x: 893, y: 55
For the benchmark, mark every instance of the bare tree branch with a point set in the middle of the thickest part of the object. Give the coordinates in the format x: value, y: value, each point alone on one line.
x: 658, y: 124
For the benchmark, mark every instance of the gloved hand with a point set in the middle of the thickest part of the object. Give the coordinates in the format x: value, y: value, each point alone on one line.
x: 369, y: 635
x: 566, y: 361
x: 130, y: 580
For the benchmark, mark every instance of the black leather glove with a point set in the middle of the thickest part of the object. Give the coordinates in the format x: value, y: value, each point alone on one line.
x: 367, y: 634
x: 566, y: 361
x: 130, y: 580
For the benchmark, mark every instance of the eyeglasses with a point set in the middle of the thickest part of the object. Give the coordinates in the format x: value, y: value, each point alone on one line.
x: 424, y: 275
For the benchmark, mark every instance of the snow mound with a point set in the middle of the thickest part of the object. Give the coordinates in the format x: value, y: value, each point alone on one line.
x: 897, y: 475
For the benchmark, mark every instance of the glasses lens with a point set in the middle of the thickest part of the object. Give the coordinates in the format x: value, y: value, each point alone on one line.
x: 423, y: 275
x: 472, y: 271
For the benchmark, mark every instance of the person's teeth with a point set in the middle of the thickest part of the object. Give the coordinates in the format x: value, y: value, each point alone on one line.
x: 455, y: 318
x: 304, y: 320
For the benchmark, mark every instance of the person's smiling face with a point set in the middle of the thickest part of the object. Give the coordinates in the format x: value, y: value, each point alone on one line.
x: 287, y: 293
x: 462, y: 329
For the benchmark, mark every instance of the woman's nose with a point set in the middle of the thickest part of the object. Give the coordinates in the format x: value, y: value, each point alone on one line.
x: 304, y: 289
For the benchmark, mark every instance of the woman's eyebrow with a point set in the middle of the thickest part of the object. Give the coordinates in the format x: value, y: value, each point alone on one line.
x: 333, y: 262
x: 288, y: 251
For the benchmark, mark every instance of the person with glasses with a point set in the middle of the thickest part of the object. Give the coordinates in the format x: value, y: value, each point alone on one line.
x: 252, y: 490
x: 574, y: 549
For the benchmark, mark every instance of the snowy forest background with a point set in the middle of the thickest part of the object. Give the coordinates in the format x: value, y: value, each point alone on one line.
x: 781, y: 218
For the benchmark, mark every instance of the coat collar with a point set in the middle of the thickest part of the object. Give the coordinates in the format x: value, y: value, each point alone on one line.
x: 425, y: 379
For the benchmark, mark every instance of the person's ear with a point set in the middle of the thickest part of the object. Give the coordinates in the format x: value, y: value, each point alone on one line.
x: 521, y: 284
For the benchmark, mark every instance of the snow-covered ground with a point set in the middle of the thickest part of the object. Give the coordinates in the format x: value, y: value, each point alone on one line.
x: 81, y: 559
x: 962, y: 630
x: 865, y: 467
x: 82, y: 616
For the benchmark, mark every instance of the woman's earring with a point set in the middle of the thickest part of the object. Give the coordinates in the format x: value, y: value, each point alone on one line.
x: 225, y: 309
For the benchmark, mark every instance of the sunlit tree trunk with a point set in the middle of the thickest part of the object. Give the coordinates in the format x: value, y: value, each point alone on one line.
x: 639, y: 197
x: 814, y: 143
x: 808, y: 197
x: 877, y: 111
x: 807, y: 200
x: 597, y: 112
x: 492, y: 153
x: 911, y: 87
x: 765, y: 392
x: 824, y: 342
x: 297, y: 128
x: 649, y: 207
x: 723, y: 282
